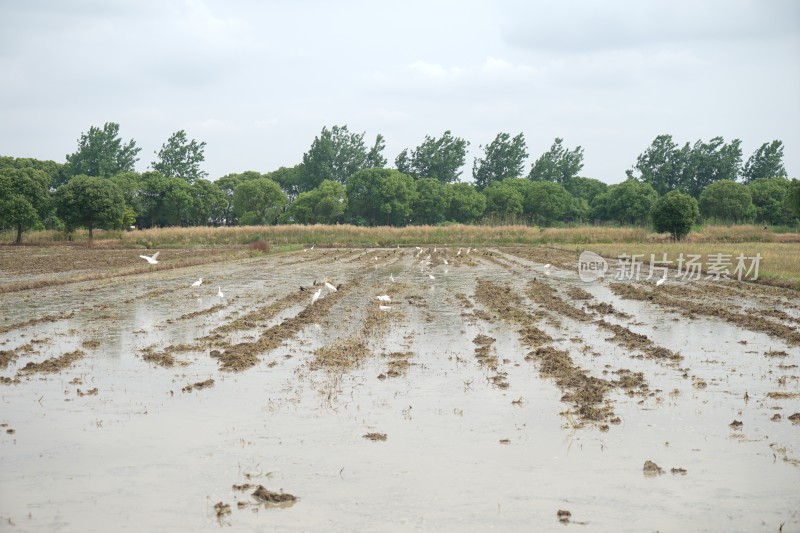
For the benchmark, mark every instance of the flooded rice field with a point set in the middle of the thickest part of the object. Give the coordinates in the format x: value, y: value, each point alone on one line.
x: 487, y: 390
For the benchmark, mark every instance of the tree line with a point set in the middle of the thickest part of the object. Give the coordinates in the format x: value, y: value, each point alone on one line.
x: 343, y: 178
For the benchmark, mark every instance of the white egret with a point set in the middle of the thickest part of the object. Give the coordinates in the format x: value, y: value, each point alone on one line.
x: 330, y: 287
x: 659, y: 282
x: 547, y: 265
x: 391, y: 278
x: 384, y: 298
x: 431, y: 276
x: 459, y: 252
x: 316, y: 296
x: 151, y: 259
x: 445, y: 262
x: 384, y: 307
x: 197, y: 283
x: 219, y: 293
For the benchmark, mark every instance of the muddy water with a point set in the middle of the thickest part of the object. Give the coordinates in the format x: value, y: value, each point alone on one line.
x: 461, y: 453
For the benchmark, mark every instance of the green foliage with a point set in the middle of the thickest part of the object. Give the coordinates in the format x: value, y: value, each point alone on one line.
x: 227, y: 184
x: 90, y: 202
x: 208, y: 204
x: 466, y: 204
x: 792, y: 201
x: 258, y: 202
x: 547, y: 202
x: 380, y: 196
x: 769, y: 198
x: 101, y: 153
x: 629, y: 202
x: 325, y: 204
x: 430, y: 205
x: 504, y: 157
x: 690, y: 168
x: 663, y: 165
x: 503, y: 199
x: 53, y: 170
x: 584, y: 188
x: 712, y: 162
x: 288, y: 178
x: 558, y: 164
x: 181, y: 158
x: 727, y: 201
x: 766, y: 162
x: 435, y: 158
x: 675, y: 212
x: 24, y: 197
x: 165, y: 201
x: 131, y: 185
x: 335, y: 155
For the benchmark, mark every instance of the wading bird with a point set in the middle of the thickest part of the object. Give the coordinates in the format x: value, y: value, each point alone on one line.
x: 659, y: 282
x: 151, y: 259
x: 328, y: 285
x: 197, y: 283
x: 431, y: 276
x: 316, y: 296
x: 391, y: 278
x: 219, y: 293
x: 384, y: 307
x: 384, y: 298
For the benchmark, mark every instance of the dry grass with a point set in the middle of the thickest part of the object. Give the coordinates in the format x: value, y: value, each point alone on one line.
x: 456, y: 234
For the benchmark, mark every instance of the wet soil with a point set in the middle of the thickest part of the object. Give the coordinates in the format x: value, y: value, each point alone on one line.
x: 497, y: 377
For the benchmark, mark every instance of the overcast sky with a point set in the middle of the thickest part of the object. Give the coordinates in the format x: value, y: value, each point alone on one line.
x: 257, y: 80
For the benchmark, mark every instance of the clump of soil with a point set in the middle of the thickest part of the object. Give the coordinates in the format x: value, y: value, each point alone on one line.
x: 198, y: 386
x: 651, y: 469
x: 263, y: 495
x: 780, y: 395
x: 54, y: 364
x: 736, y: 424
x: 605, y: 308
x: 375, y: 436
x: 563, y: 516
x: 776, y: 417
x: 90, y: 392
x: 246, y: 486
x: 222, y: 509
x: 398, y: 363
x: 681, y: 471
x: 795, y: 418
x: 90, y: 344
x: 341, y: 355
x: 776, y: 353
x: 6, y: 356
x: 576, y: 293
x: 166, y: 356
x: 194, y: 314
x: 627, y: 338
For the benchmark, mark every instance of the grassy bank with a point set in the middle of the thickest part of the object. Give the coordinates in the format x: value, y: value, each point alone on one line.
x: 454, y: 235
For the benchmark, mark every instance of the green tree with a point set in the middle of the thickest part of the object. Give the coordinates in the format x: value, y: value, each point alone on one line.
x: 208, y: 203
x: 663, y: 165
x: 24, y: 198
x: 180, y: 158
x: 102, y: 153
x: 90, y: 202
x: 430, y: 205
x: 258, y: 202
x: 288, y: 178
x: 766, y: 162
x: 227, y: 184
x: 547, y: 202
x: 130, y: 185
x: 435, y: 158
x: 466, y: 204
x: 675, y: 212
x: 558, y: 164
x: 769, y: 198
x: 503, y: 158
x: 381, y: 196
x: 711, y: 162
x: 629, y: 202
x: 584, y: 188
x: 335, y: 155
x: 503, y: 200
x: 727, y: 201
x: 792, y: 202
x: 325, y: 204
x: 375, y: 157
